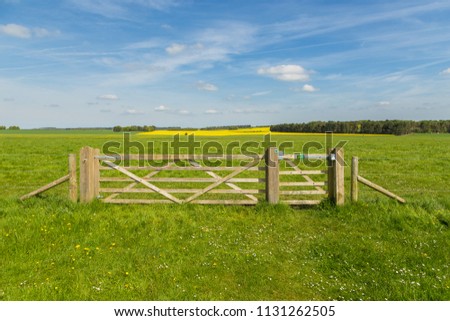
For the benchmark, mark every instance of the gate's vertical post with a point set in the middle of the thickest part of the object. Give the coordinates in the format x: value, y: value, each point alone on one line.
x: 87, y: 174
x: 96, y: 168
x: 339, y: 177
x: 73, y: 188
x: 272, y: 175
x: 330, y: 174
x: 354, y: 186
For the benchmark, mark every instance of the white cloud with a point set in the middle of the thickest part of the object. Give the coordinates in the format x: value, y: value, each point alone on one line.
x: 15, y: 30
x: 206, y: 86
x: 384, y: 103
x: 42, y: 32
x: 132, y: 112
x: 108, y: 97
x: 445, y: 72
x: 175, y: 49
x: 166, y: 26
x: 184, y: 112
x: 261, y: 93
x: 309, y: 88
x: 19, y: 31
x: 161, y: 108
x: 212, y: 111
x: 286, y: 72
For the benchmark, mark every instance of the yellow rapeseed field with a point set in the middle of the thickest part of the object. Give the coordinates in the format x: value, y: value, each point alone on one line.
x: 231, y: 132
x: 212, y: 132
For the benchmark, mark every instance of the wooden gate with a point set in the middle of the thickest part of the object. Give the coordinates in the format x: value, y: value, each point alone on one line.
x: 192, y: 179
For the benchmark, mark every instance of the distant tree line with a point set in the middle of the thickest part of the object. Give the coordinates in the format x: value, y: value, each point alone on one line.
x: 134, y: 128
x: 394, y: 127
x: 10, y: 128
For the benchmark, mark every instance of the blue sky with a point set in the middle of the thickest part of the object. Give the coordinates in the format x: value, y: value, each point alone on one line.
x: 80, y: 63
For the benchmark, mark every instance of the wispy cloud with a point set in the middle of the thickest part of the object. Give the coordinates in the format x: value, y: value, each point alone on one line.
x: 161, y: 108
x: 175, y: 49
x: 108, y: 97
x: 445, y: 71
x: 212, y: 112
x: 132, y: 112
x: 206, y: 86
x: 341, y: 17
x: 24, y: 32
x: 254, y: 111
x: 261, y: 93
x: 309, y: 88
x: 285, y: 72
x: 119, y: 9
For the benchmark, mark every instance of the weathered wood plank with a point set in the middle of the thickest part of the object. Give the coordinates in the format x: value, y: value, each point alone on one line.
x: 306, y: 177
x: 314, y: 184
x: 272, y: 175
x: 183, y: 157
x: 224, y: 202
x: 380, y: 189
x: 136, y: 201
x: 46, y: 187
x: 233, y: 186
x: 301, y: 202
x: 181, y: 168
x: 161, y: 179
x: 354, y: 180
x: 130, y: 186
x: 205, y: 202
x: 143, y: 182
x: 303, y: 172
x: 87, y: 175
x: 182, y: 180
x: 220, y: 181
x: 314, y: 192
x: 339, y: 177
x: 73, y: 187
x: 181, y: 191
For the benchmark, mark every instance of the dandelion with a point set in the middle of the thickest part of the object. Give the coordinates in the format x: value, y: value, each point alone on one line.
x: 77, y: 246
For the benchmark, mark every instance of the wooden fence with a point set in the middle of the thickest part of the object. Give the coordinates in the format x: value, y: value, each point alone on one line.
x: 356, y: 178
x: 245, y: 180
x: 222, y: 181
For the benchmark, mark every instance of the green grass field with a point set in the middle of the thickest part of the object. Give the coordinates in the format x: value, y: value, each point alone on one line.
x: 376, y: 249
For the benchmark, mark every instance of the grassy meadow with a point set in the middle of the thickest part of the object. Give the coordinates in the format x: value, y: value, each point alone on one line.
x: 376, y: 249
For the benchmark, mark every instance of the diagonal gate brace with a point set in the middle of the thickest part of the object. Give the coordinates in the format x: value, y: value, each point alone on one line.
x: 143, y: 182
x: 222, y: 180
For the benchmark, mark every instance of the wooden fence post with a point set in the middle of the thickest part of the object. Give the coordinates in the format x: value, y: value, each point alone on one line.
x: 272, y: 175
x: 336, y: 177
x: 73, y: 188
x: 96, y: 173
x: 89, y: 176
x: 330, y: 174
x: 354, y: 178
